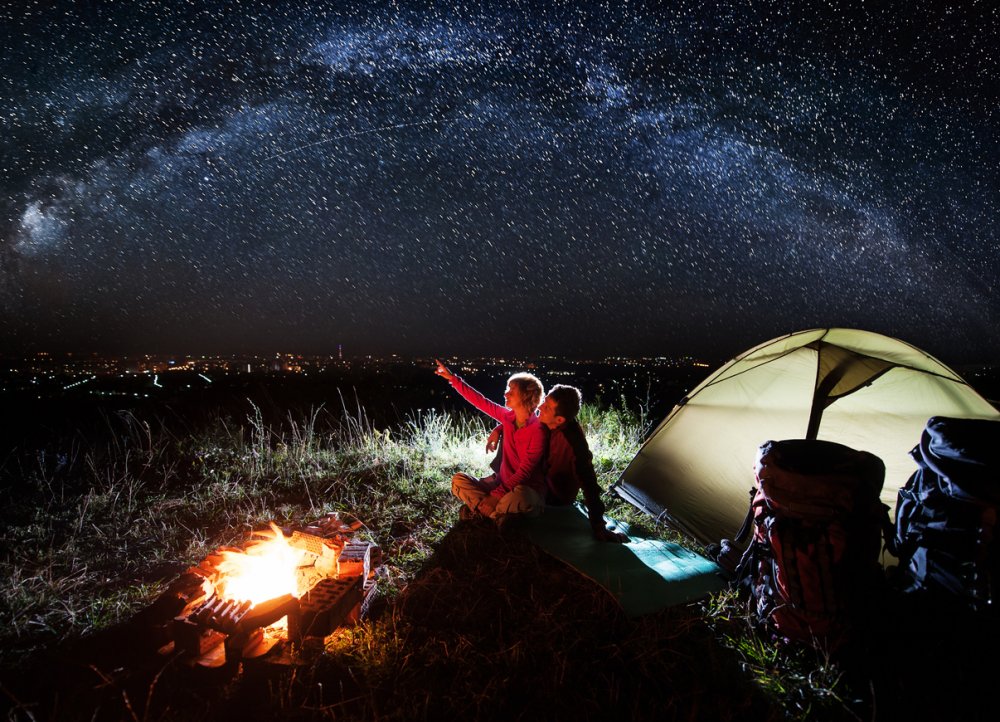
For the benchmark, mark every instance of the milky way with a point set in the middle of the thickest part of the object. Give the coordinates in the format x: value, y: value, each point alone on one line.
x: 469, y: 178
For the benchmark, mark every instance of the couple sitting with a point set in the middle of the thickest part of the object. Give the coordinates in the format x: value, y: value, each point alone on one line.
x: 544, y: 458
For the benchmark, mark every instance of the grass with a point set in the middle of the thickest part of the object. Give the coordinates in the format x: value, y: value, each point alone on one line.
x: 470, y: 622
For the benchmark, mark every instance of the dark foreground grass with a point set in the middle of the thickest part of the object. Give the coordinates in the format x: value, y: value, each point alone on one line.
x: 471, y: 623
x: 491, y: 628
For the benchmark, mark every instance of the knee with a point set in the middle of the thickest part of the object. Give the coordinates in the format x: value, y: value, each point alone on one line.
x: 524, y: 501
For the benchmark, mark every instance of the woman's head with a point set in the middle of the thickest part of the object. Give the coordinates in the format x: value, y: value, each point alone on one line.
x: 524, y: 389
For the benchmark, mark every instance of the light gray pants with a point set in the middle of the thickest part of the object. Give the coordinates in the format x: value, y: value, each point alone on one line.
x: 522, y: 500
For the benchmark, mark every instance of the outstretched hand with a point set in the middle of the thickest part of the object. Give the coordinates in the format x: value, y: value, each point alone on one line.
x: 443, y: 371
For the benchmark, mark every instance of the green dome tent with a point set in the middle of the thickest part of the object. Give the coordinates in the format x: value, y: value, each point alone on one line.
x: 857, y: 388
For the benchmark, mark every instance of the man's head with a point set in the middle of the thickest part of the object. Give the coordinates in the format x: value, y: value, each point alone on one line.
x: 561, y: 405
x: 524, y: 389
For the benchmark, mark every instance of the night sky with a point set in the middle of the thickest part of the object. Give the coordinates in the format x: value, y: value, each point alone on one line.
x: 466, y: 178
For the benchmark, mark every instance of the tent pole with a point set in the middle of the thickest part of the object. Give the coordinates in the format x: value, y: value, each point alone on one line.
x: 821, y: 396
x: 815, y: 416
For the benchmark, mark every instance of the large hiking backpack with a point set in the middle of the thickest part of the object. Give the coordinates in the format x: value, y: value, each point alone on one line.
x: 946, y: 514
x: 812, y: 565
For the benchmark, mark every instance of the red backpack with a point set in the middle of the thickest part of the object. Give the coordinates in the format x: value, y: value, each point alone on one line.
x: 818, y: 527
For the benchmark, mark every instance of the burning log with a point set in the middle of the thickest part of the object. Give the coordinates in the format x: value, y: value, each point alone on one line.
x: 263, y: 615
x: 221, y: 614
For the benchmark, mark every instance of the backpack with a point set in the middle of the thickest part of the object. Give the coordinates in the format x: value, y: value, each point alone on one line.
x: 946, y: 514
x: 812, y: 566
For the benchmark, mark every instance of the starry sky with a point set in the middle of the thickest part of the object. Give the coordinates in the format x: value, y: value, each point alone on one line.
x: 618, y: 177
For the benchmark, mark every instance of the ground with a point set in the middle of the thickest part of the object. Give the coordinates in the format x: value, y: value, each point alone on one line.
x: 492, y: 628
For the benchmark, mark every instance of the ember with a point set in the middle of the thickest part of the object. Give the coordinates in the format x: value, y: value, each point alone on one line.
x: 282, y: 587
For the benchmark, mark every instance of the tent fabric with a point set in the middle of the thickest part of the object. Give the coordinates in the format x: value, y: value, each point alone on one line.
x: 861, y: 389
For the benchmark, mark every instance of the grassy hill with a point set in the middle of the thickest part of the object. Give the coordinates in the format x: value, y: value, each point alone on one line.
x: 471, y: 623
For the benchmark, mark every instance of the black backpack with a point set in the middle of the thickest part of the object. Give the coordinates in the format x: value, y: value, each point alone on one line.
x: 813, y: 564
x: 946, y: 515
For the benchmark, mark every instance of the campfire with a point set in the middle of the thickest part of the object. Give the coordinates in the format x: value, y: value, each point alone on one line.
x: 284, y: 588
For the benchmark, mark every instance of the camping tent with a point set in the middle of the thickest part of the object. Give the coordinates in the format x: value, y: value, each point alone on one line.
x: 858, y: 388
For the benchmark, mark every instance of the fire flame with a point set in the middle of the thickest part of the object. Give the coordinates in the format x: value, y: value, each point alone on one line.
x: 267, y: 569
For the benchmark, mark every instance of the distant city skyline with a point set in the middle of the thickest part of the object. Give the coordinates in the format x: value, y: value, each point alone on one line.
x: 184, y: 359
x: 565, y: 178
x: 394, y: 379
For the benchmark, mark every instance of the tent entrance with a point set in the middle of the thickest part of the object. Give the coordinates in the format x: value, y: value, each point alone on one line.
x: 839, y: 373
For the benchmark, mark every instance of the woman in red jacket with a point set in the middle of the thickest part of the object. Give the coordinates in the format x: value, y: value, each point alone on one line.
x: 518, y: 487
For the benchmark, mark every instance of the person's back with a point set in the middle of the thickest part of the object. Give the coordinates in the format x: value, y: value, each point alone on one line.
x: 569, y: 464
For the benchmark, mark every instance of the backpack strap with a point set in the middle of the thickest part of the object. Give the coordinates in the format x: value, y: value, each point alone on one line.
x: 889, y: 540
x: 722, y: 553
x: 743, y: 573
x: 744, y: 531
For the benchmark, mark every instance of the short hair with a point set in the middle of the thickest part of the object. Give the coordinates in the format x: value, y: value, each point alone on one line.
x: 567, y: 400
x: 530, y: 387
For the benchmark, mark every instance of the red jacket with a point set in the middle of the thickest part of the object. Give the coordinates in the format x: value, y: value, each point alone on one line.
x: 523, y: 449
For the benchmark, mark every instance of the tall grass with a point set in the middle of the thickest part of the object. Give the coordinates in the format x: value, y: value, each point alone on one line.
x: 91, y: 535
